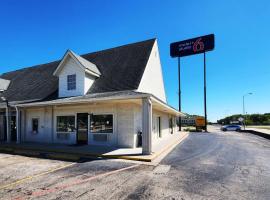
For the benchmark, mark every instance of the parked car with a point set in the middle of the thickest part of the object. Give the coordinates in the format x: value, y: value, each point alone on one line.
x: 231, y: 128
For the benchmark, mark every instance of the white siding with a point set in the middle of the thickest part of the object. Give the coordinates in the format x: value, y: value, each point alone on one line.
x: 123, y: 131
x: 152, y: 80
x: 71, y: 67
x: 127, y: 122
x: 44, y: 116
x: 164, y: 123
x: 125, y: 125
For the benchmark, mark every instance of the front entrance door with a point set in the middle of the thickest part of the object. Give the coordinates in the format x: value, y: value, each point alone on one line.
x: 82, y: 128
x: 158, y: 127
x: 13, y: 128
x: 3, y: 128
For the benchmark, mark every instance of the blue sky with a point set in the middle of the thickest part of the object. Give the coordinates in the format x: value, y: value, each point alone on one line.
x: 35, y: 32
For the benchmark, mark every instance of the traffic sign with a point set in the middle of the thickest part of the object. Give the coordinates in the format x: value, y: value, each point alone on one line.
x: 240, y: 119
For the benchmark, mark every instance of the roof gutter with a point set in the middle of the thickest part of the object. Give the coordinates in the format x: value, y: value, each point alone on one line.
x: 16, y: 103
x: 74, y: 100
x: 89, y: 100
x: 153, y: 98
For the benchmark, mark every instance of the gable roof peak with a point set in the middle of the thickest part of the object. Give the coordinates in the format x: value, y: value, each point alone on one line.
x: 86, y: 65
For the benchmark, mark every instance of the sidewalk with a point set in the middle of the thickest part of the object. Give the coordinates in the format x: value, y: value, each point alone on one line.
x: 75, y: 153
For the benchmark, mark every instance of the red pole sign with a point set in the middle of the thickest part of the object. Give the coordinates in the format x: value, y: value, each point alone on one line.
x: 192, y: 46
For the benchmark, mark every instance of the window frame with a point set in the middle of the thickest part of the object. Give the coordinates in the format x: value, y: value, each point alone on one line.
x: 67, y: 132
x: 32, y: 125
x: 170, y: 122
x: 113, y: 121
x: 71, y: 84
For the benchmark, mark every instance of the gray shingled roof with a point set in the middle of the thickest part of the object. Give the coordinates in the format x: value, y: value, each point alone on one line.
x: 121, y: 68
x: 88, y: 65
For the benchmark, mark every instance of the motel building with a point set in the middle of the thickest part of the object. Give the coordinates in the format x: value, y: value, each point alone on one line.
x: 103, y: 98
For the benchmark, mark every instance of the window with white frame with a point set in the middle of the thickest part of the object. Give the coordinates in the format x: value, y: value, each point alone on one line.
x: 101, y: 123
x: 65, y: 124
x: 71, y: 82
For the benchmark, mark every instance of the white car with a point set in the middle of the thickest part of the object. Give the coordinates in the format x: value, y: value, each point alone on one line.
x: 231, y: 128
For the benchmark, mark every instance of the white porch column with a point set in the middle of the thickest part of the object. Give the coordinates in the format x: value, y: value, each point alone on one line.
x: 18, y: 125
x: 8, y: 123
x: 23, y: 124
x: 146, y: 126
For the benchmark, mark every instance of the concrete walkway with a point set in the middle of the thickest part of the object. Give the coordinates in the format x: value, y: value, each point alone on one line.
x: 75, y: 152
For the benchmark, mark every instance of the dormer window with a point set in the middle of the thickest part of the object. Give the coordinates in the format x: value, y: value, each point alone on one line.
x: 71, y: 82
x: 75, y: 74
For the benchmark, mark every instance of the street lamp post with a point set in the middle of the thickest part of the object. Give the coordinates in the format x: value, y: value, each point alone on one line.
x: 244, y: 111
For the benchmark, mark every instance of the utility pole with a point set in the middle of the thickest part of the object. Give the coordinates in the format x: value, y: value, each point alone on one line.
x: 244, y: 111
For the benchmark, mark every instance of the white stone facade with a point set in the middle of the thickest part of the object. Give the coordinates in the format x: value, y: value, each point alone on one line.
x: 127, y: 122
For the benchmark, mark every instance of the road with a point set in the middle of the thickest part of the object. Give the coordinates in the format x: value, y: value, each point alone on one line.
x: 205, y: 166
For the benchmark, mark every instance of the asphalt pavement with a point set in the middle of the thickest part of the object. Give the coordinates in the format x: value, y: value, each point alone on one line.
x: 217, y: 165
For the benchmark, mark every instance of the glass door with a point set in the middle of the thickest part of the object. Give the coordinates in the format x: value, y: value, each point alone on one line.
x: 13, y: 128
x: 159, y: 126
x: 82, y: 128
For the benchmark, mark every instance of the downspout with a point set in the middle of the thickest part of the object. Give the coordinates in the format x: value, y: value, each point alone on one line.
x: 52, y: 121
x: 7, y: 122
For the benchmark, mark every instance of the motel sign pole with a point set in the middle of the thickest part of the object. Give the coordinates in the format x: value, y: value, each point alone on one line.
x: 179, y: 93
x: 191, y: 47
x: 205, y: 110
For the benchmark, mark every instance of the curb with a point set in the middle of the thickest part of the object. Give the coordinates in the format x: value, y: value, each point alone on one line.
x: 63, y: 157
x: 261, y: 134
x: 171, y: 145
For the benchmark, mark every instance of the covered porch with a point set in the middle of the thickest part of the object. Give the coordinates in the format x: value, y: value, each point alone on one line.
x: 13, y: 125
x: 76, y: 153
x: 8, y: 125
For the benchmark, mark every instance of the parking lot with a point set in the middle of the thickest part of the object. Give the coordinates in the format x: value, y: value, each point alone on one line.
x: 27, y: 178
x: 213, y: 165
